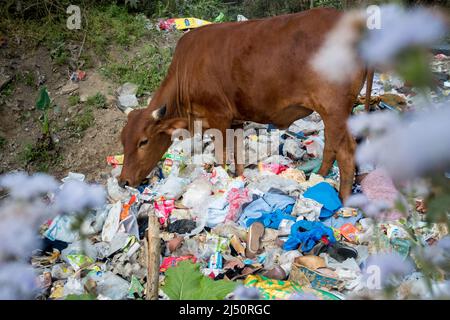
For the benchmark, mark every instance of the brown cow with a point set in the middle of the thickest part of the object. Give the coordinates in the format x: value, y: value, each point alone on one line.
x: 257, y: 70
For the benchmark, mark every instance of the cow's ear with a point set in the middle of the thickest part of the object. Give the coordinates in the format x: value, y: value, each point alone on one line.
x: 159, y: 113
x: 171, y: 125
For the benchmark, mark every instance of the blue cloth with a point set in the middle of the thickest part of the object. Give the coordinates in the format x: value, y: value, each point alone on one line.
x: 307, y: 234
x: 269, y: 203
x: 326, y: 195
x: 272, y: 220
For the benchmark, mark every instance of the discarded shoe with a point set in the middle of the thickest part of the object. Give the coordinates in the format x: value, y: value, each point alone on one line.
x: 312, y: 270
x: 255, y: 234
x: 337, y: 251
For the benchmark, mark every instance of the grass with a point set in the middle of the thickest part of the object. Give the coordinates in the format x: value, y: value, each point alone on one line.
x: 97, y: 101
x: 82, y: 121
x: 147, y: 68
x: 2, y: 142
x: 103, y: 26
x: 7, y: 90
x: 74, y: 100
x: 39, y: 156
x: 27, y: 77
x: 110, y: 25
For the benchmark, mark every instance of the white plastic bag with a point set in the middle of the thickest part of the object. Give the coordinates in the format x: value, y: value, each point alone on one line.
x: 196, y: 194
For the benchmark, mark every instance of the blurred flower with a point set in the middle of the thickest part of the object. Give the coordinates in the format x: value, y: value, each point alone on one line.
x: 303, y: 296
x: 401, y: 28
x: 389, y: 266
x: 17, y: 239
x: 17, y: 281
x: 23, y: 186
x: 246, y: 293
x: 337, y: 58
x: 21, y: 213
x: 372, y: 209
x: 438, y: 254
x: 76, y: 196
x: 410, y: 146
x: 357, y: 201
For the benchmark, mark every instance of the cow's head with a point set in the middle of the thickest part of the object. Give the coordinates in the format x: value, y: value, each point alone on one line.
x: 145, y: 138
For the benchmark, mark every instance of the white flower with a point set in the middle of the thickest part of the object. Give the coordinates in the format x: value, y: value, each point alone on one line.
x: 389, y: 266
x: 401, y: 28
x: 17, y: 281
x: 23, y: 186
x: 76, y: 196
x: 409, y: 146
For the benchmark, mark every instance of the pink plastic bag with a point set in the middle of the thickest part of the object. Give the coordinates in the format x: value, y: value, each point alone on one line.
x: 236, y: 197
x: 163, y: 209
x: 173, y: 261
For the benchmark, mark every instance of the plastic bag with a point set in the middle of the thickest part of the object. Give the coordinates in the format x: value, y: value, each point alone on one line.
x: 112, y: 222
x: 173, y: 188
x: 196, y: 193
x: 61, y: 229
x: 293, y: 148
x: 110, y: 285
x: 115, y: 192
x: 314, y: 146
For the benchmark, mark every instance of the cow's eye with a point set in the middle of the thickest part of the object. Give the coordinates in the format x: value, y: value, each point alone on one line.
x: 143, y: 143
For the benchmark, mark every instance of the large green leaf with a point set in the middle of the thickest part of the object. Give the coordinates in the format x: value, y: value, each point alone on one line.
x: 43, y: 101
x: 186, y: 282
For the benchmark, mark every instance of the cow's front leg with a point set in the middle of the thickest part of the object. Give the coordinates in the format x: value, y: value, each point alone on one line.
x: 329, y: 152
x: 238, y: 154
x: 219, y: 132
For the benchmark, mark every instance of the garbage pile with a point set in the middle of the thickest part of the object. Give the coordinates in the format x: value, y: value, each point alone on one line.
x: 280, y: 227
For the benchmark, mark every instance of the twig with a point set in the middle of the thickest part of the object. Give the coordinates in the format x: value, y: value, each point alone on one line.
x: 153, y: 259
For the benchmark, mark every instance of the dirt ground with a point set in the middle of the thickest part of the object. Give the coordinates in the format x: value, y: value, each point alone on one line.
x: 19, y: 125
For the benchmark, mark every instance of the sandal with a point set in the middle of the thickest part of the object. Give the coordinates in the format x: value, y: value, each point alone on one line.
x: 312, y: 271
x: 337, y: 251
x: 255, y: 233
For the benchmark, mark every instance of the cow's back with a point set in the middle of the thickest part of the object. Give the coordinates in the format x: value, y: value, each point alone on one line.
x: 250, y: 68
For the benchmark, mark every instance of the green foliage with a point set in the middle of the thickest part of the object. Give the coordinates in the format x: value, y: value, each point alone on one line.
x: 43, y: 101
x: 113, y: 24
x: 146, y: 69
x: 40, y: 155
x: 186, y: 282
x: 203, y: 9
x: 7, y: 90
x: 97, y: 101
x: 82, y: 121
x: 43, y: 104
x: 74, y: 100
x: 27, y: 77
x: 439, y: 200
x: 84, y: 296
x: 413, y: 66
x: 2, y: 142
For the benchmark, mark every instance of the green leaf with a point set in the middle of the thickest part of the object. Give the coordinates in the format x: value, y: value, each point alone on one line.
x: 438, y: 202
x: 83, y: 296
x: 43, y: 101
x: 412, y: 65
x: 186, y: 282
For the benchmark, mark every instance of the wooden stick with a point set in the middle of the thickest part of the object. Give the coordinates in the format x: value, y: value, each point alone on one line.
x: 153, y: 257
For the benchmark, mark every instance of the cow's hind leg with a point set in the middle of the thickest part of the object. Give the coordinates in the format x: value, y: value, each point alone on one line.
x: 340, y: 145
x: 329, y: 155
x: 346, y: 160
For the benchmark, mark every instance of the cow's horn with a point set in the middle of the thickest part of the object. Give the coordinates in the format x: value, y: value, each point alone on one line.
x: 159, y: 113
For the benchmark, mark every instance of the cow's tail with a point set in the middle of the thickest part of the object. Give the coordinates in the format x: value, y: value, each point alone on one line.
x: 369, y: 83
